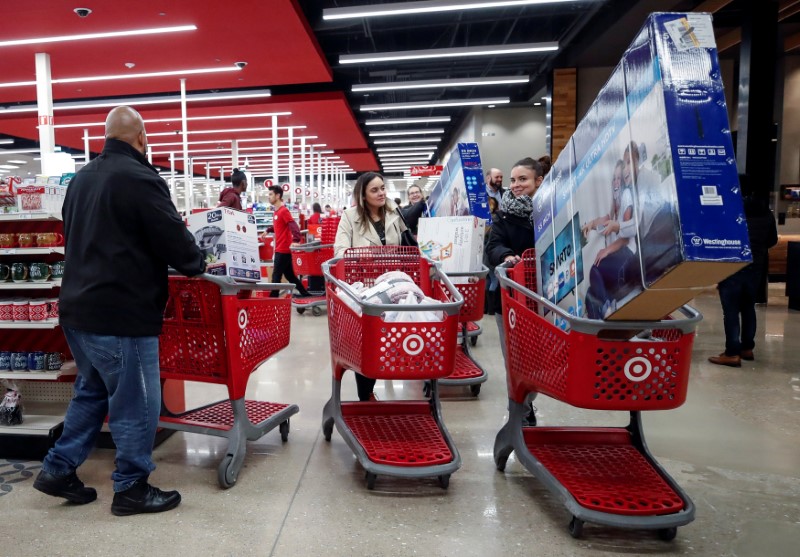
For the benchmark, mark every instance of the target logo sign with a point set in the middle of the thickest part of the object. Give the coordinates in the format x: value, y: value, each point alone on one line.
x: 512, y: 318
x: 242, y: 318
x: 638, y: 369
x: 285, y: 187
x: 413, y: 344
x: 267, y: 183
x: 299, y: 261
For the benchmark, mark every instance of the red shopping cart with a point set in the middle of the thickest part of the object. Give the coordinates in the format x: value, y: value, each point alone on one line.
x: 307, y: 261
x: 394, y: 438
x: 467, y: 372
x: 216, y: 331
x: 603, y: 475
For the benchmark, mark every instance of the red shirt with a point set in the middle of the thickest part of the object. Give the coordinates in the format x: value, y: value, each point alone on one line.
x: 314, y: 219
x: 286, y: 230
x: 230, y: 198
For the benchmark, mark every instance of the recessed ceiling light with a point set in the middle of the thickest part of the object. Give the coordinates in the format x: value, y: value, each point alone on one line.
x: 398, y: 141
x: 537, y: 104
x: 406, y: 132
x: 6, y: 141
x: 409, y: 148
x: 491, y: 106
x: 439, y: 83
x: 8, y: 166
x: 458, y: 52
x: 106, y: 35
x: 18, y: 162
x: 432, y: 6
x: 393, y: 121
x: 433, y: 104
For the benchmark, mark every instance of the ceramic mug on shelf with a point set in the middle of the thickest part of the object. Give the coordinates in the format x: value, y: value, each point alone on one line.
x: 52, y: 309
x: 5, y: 360
x: 36, y: 361
x: 8, y: 240
x: 19, y: 361
x: 37, y: 311
x: 5, y: 272
x: 6, y: 311
x: 54, y: 361
x: 39, y: 272
x: 48, y: 239
x: 26, y: 239
x: 21, y: 310
x: 57, y: 270
x: 19, y: 272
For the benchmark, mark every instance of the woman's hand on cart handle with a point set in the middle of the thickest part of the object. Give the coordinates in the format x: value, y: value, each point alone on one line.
x: 512, y: 259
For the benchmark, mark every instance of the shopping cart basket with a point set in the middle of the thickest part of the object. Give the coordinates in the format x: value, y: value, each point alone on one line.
x: 216, y: 331
x: 307, y: 260
x: 394, y: 438
x: 602, y: 475
x: 467, y: 372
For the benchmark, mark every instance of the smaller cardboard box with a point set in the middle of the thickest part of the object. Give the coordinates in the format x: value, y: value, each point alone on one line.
x: 457, y: 242
x: 229, y: 241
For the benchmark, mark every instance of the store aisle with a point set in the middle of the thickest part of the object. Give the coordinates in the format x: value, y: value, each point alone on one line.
x: 734, y: 447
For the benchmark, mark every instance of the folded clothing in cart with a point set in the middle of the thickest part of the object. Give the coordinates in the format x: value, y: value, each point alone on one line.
x: 394, y: 287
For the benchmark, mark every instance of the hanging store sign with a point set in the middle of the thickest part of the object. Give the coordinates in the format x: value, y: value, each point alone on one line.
x: 267, y: 183
x: 428, y: 170
x: 285, y: 187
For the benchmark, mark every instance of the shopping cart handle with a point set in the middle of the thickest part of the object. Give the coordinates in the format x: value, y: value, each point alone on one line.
x: 478, y: 274
x: 311, y: 246
x: 593, y: 326
x: 229, y: 286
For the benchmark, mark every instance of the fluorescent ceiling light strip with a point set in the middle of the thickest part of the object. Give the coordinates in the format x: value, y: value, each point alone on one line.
x: 457, y: 52
x: 395, y: 121
x: 143, y: 101
x: 6, y: 141
x: 406, y: 132
x: 438, y: 83
x: 430, y: 6
x: 105, y: 35
x: 410, y: 148
x: 233, y: 130
x: 389, y: 156
x: 123, y: 76
x: 432, y: 104
x: 190, y: 118
x: 254, y: 156
x: 267, y: 141
x: 400, y: 141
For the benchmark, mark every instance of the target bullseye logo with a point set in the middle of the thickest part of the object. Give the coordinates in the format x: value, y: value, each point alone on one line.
x: 413, y: 344
x: 242, y: 319
x: 512, y: 318
x: 299, y: 261
x: 638, y: 369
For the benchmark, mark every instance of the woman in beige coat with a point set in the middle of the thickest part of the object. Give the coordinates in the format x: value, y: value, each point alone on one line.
x: 373, y: 221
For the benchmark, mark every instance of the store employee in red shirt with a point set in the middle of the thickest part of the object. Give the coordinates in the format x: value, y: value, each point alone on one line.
x: 287, y: 234
x: 232, y: 197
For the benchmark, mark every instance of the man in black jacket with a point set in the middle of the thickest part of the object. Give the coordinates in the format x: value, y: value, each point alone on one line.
x: 737, y: 293
x: 121, y: 233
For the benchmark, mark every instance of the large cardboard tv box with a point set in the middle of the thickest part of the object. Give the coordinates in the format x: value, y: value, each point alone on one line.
x: 461, y: 189
x: 229, y: 241
x: 643, y: 206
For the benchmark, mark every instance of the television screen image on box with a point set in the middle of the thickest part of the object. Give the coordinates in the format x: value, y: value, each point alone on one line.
x: 563, y: 266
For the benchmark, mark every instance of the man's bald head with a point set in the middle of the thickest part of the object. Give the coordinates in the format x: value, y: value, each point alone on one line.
x: 125, y: 124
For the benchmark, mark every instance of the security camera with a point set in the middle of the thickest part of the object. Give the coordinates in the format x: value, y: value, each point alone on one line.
x: 82, y: 12
x: 240, y: 65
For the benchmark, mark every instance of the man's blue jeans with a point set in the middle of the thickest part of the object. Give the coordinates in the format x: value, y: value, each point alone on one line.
x: 737, y: 293
x: 118, y: 377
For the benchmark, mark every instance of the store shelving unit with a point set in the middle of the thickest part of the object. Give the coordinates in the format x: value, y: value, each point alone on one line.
x: 45, y: 394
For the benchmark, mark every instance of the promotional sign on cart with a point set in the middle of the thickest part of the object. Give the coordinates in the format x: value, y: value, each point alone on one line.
x: 229, y: 241
x: 643, y: 206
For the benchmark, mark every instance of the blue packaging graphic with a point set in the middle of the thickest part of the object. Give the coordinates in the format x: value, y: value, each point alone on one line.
x: 461, y: 190
x: 652, y: 198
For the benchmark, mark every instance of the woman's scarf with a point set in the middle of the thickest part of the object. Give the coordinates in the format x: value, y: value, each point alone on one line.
x: 521, y: 206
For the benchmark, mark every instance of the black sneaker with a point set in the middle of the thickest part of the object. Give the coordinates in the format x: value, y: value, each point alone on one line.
x: 69, y: 487
x: 142, y: 497
x: 529, y: 420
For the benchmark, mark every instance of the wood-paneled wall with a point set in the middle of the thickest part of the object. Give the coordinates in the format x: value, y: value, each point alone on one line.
x: 564, y: 103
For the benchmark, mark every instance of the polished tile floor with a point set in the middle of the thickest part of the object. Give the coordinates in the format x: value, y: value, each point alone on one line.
x: 734, y: 447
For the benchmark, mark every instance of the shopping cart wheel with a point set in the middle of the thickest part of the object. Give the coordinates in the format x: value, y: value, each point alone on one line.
x: 301, y: 311
x: 426, y: 389
x: 316, y: 311
x: 475, y: 389
x: 284, y: 429
x: 371, y: 480
x: 668, y: 534
x: 474, y: 340
x: 444, y: 481
x: 575, y: 527
x: 225, y: 473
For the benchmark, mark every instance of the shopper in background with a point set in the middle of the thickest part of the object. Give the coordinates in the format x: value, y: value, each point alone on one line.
x: 512, y: 233
x: 287, y: 234
x: 737, y: 293
x: 316, y: 215
x: 121, y: 232
x: 232, y: 196
x: 416, y: 208
x: 494, y: 184
x: 372, y: 221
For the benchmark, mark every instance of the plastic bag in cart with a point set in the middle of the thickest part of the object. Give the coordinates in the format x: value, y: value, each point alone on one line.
x: 414, y: 316
x: 11, y: 407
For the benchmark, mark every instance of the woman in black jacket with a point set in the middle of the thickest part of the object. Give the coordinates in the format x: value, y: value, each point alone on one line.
x: 512, y: 233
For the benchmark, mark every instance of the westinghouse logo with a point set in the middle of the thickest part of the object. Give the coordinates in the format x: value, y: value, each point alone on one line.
x: 697, y: 241
x: 718, y: 242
